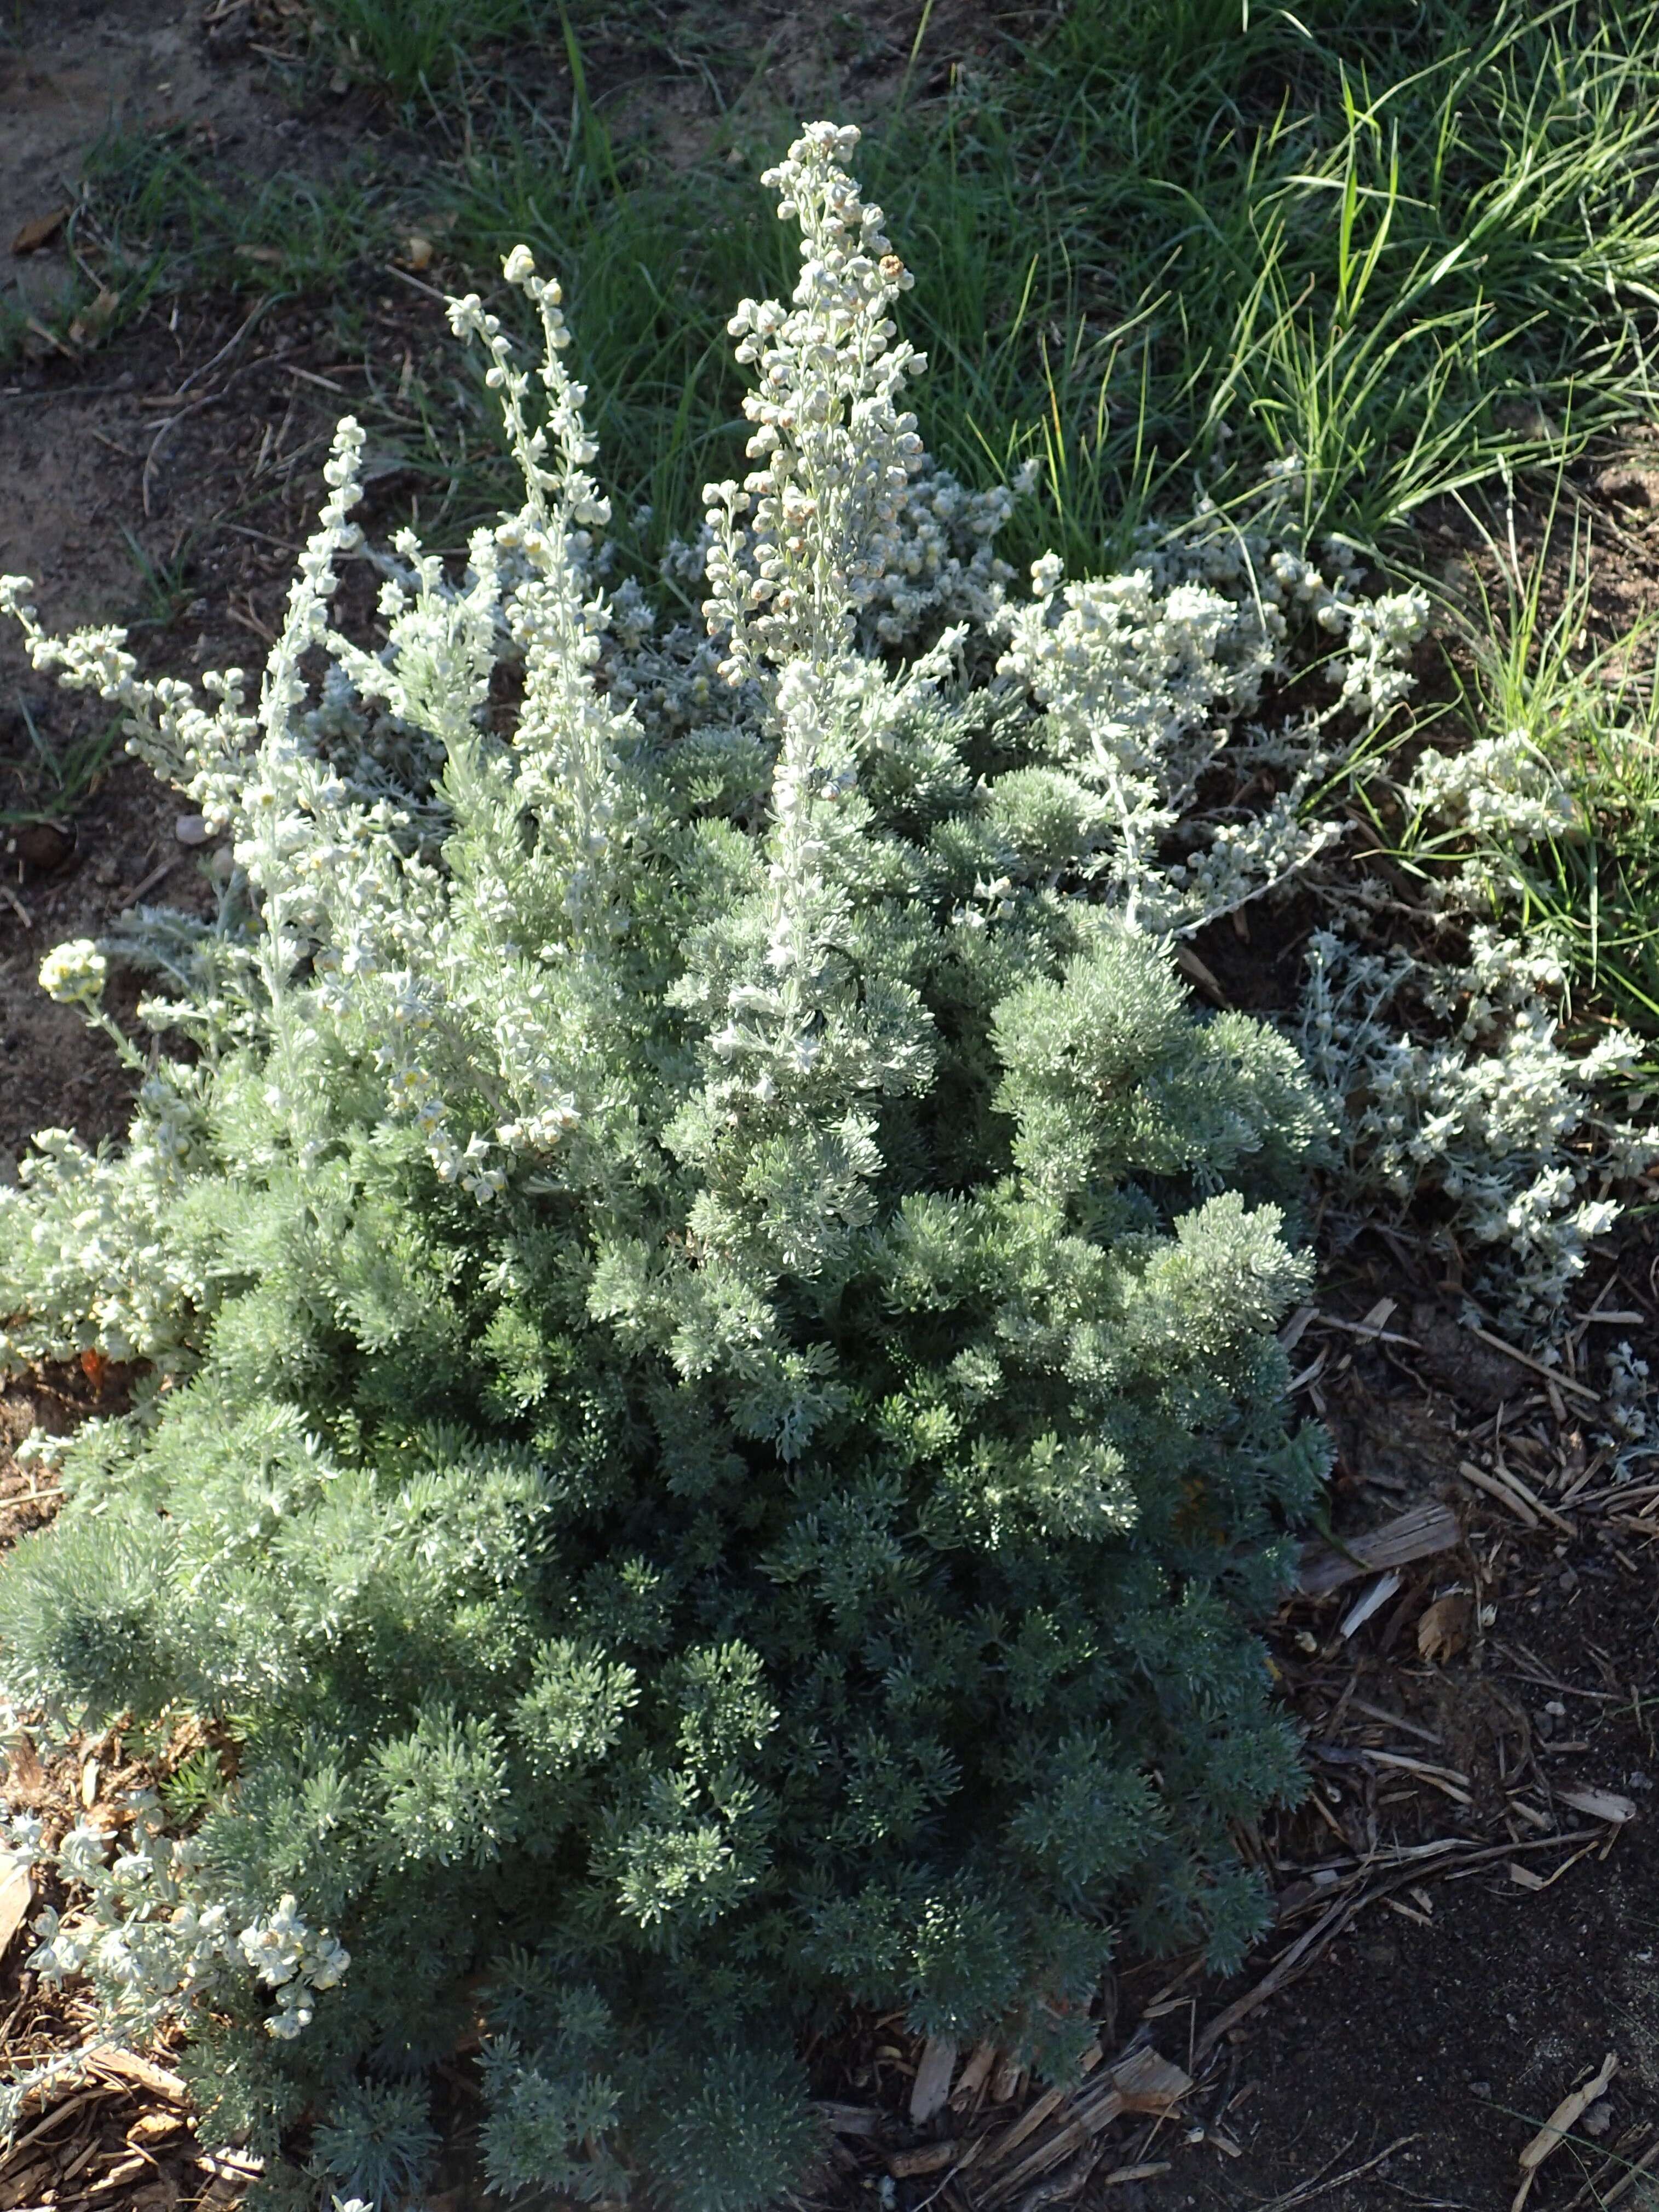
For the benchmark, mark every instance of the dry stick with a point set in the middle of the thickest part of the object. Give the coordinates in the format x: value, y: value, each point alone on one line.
x: 16, y: 906
x: 1621, y: 2188
x: 58, y: 2112
x: 1496, y: 1487
x: 1525, y: 1359
x: 1310, y: 2189
x: 73, y: 392
x: 161, y: 870
x: 196, y: 407
x: 414, y: 284
x: 229, y: 347
x: 1326, y: 1929
x: 1507, y: 1473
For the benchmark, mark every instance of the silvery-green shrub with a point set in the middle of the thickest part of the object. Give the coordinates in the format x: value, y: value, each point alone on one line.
x: 711, y: 1428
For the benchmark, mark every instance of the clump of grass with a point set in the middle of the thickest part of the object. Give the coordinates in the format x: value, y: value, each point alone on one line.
x: 157, y: 219
x: 1417, y: 244
x: 47, y: 780
x: 416, y: 48
x: 1592, y: 718
x: 168, y: 219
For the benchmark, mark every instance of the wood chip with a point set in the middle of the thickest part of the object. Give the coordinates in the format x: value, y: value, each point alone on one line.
x: 16, y: 1895
x: 229, y: 2164
x: 1529, y: 1496
x: 1599, y: 1804
x: 1446, y: 1779
x: 1566, y: 2116
x: 927, y: 2158
x: 122, y: 2171
x: 1416, y: 1535
x: 981, y: 2063
x: 1376, y: 1598
x: 153, y: 2127
x: 931, y: 2090
x: 127, y: 2066
x: 1524, y: 1878
x: 850, y: 2119
x: 1029, y: 2122
x: 1148, y: 2082
x: 55, y: 2118
x: 1006, y: 2081
x: 1062, y: 2124
x: 1296, y: 1327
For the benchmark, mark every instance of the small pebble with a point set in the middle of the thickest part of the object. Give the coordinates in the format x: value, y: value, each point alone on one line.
x: 190, y: 829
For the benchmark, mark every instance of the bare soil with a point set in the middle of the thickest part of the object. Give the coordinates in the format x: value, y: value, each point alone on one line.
x: 1444, y: 2002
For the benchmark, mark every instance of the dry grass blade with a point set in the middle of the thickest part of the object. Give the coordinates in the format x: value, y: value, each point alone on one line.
x: 1525, y: 1359
x: 1321, y: 2185
x: 1566, y: 2115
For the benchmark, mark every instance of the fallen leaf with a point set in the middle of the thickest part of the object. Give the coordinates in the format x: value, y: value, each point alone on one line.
x: 39, y: 231
x: 16, y: 1895
x: 1442, y: 1628
x: 271, y: 255
x: 417, y: 251
x: 1600, y: 1805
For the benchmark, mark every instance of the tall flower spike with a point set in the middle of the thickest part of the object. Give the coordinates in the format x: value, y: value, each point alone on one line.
x: 573, y: 491
x: 800, y: 545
